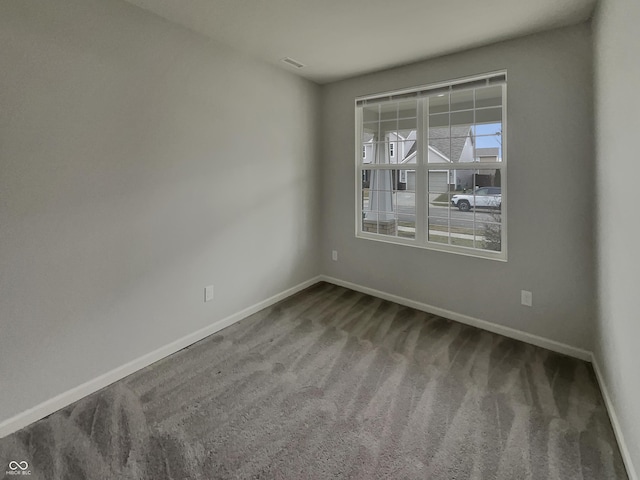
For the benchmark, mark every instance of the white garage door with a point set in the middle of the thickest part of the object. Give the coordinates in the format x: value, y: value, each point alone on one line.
x: 438, y: 182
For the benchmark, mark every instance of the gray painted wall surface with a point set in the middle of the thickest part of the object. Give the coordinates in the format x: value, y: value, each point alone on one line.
x: 617, y: 76
x: 551, y: 180
x: 139, y: 162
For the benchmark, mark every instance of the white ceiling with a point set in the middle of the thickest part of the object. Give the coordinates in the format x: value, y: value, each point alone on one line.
x: 336, y: 39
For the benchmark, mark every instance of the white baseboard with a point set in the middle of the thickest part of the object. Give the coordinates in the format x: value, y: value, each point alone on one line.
x: 474, y: 322
x: 624, y: 450
x: 54, y: 404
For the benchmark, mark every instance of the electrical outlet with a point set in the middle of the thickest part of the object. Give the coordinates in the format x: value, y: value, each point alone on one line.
x: 208, y: 293
x: 334, y: 255
x: 526, y: 298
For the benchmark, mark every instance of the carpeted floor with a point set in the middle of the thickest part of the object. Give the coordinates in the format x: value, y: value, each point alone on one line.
x: 331, y: 383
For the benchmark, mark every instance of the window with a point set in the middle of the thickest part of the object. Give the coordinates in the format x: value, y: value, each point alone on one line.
x: 435, y: 169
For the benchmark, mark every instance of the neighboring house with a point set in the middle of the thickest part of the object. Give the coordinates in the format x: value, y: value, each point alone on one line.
x: 487, y: 178
x: 442, y: 148
x: 399, y: 146
x: 452, y: 145
x: 455, y: 149
x: 488, y: 154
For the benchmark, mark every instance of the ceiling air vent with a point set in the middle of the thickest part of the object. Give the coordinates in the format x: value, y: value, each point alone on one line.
x: 292, y: 62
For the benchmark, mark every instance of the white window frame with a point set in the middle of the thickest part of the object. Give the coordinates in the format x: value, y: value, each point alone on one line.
x: 422, y: 167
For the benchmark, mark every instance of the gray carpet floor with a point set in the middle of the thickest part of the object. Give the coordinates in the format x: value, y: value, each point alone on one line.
x: 331, y: 383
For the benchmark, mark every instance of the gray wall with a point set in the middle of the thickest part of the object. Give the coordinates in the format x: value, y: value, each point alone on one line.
x: 617, y: 77
x: 551, y: 183
x: 138, y: 163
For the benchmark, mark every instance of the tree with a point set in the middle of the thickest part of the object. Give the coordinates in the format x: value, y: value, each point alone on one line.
x: 493, y: 232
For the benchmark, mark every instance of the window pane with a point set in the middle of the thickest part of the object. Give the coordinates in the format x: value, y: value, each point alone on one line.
x: 462, y: 233
x: 488, y: 97
x: 464, y: 119
x: 369, y: 131
x: 386, y: 128
x: 462, y: 100
x: 367, y: 152
x: 393, y: 152
x: 489, y: 115
x: 370, y: 113
x: 407, y: 227
x: 438, y: 230
x: 407, y: 180
x: 485, y: 195
x: 458, y: 149
x: 381, y: 152
x: 439, y: 120
x: 388, y: 208
x: 466, y: 216
x: 439, y: 146
x: 488, y: 129
x: 406, y: 213
x: 487, y: 154
x: 406, y: 152
x: 389, y: 111
x: 407, y: 109
x: 406, y: 125
x: 493, y: 139
x: 438, y: 196
x: 463, y: 180
x: 439, y: 205
x: 439, y: 103
x: 489, y: 136
x: 378, y: 210
x: 489, y: 236
x: 389, y: 152
x: 439, y: 138
x: 438, y: 181
x: 466, y: 230
x: 364, y: 185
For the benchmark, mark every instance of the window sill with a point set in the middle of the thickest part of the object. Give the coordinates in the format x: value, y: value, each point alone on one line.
x: 457, y: 250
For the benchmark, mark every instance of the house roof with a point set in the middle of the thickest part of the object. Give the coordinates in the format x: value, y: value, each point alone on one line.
x: 447, y: 141
x: 439, y: 140
x: 411, y: 151
x: 450, y: 147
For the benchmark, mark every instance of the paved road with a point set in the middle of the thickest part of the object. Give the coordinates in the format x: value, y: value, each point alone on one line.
x: 439, y: 215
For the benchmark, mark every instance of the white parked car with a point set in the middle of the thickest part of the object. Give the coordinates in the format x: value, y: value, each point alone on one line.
x: 483, y: 197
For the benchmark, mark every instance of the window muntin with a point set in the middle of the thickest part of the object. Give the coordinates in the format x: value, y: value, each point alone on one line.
x: 432, y: 156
